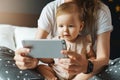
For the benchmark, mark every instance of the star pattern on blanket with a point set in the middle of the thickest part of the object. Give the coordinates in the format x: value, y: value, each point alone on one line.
x: 9, y: 71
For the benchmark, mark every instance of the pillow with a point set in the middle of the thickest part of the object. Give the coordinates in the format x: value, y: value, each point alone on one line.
x: 7, y: 36
x: 23, y: 33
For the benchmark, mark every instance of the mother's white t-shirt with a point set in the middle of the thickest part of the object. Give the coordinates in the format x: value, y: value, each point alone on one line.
x: 47, y: 18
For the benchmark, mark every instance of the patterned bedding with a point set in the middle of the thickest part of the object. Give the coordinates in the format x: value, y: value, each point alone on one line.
x: 9, y: 71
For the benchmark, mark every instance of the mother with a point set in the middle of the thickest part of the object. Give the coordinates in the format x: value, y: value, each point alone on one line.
x: 98, y: 18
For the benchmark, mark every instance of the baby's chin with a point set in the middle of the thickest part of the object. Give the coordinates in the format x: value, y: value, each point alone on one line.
x: 69, y: 40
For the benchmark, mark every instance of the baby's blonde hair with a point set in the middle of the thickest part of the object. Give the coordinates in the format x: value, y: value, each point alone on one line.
x: 69, y: 8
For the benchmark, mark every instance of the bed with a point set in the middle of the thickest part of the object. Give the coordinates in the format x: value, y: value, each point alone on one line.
x: 10, y: 40
x: 15, y: 27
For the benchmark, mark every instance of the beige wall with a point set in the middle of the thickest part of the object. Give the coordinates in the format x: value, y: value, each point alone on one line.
x: 19, y: 19
x: 21, y: 12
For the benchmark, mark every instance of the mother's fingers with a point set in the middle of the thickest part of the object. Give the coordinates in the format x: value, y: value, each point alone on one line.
x: 75, y: 69
x: 21, y: 65
x: 24, y: 66
x: 22, y: 51
x: 20, y: 54
x: 70, y: 66
x: 68, y: 61
x: 18, y: 58
x: 22, y: 59
x: 27, y: 63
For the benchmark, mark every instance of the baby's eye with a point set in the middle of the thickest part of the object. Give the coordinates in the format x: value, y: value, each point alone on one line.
x: 70, y: 26
x: 60, y: 25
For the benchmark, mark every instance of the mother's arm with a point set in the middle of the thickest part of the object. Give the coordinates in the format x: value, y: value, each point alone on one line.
x: 41, y: 34
x: 102, y: 56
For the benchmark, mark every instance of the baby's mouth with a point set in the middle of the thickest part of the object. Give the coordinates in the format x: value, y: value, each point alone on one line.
x: 66, y: 35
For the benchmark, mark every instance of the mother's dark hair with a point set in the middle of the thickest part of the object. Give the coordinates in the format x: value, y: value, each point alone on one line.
x: 91, y: 8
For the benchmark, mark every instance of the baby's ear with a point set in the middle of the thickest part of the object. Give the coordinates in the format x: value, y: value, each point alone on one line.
x: 82, y: 25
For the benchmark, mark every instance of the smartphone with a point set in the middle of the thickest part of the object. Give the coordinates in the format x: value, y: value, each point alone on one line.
x: 45, y: 48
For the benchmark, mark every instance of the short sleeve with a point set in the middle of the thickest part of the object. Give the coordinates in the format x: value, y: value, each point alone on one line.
x: 46, y: 19
x: 104, y: 20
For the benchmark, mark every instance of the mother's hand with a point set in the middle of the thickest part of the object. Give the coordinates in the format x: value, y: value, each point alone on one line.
x: 76, y: 63
x: 23, y: 61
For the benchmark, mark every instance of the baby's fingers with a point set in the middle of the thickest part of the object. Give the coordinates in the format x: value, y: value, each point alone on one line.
x: 71, y: 54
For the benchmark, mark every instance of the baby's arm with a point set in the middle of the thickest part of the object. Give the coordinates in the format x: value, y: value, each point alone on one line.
x: 47, y: 60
